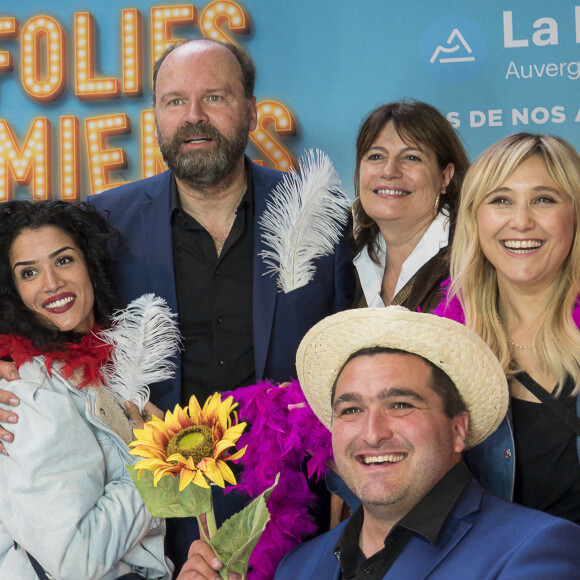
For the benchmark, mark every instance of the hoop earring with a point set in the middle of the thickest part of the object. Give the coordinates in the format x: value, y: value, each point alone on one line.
x: 353, y: 212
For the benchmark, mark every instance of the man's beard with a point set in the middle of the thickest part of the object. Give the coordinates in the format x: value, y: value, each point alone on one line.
x: 203, y: 166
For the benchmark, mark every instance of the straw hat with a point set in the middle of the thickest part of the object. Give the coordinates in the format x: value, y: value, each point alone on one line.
x: 454, y: 348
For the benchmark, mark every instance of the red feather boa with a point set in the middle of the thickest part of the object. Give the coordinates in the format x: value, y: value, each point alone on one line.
x: 90, y: 355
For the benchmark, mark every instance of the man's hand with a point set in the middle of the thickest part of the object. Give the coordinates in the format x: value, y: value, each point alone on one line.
x: 7, y: 371
x: 139, y: 420
x: 202, y: 564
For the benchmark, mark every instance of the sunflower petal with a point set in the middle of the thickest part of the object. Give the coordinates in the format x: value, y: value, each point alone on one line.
x: 221, y: 446
x: 185, y: 478
x: 148, y: 453
x: 158, y: 451
x: 214, y: 474
x: 200, y: 480
x: 235, y: 432
x: 149, y: 464
x: 157, y: 475
x: 178, y: 458
x: 226, y: 472
x: 183, y: 420
x: 237, y: 454
x: 194, y: 410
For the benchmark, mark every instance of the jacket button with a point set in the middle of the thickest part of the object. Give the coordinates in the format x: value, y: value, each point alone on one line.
x: 507, y: 453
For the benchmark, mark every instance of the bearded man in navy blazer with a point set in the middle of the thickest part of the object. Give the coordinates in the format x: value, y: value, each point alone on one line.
x: 193, y: 232
x: 193, y: 238
x: 404, y: 393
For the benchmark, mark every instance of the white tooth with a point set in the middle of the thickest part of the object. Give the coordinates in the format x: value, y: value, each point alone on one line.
x: 522, y: 244
x: 395, y: 192
x: 383, y: 459
x: 60, y: 303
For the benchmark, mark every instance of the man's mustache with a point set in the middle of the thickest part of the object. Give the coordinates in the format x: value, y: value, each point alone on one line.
x: 204, y: 131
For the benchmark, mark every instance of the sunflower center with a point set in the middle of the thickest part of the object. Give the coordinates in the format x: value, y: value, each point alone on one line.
x: 195, y: 442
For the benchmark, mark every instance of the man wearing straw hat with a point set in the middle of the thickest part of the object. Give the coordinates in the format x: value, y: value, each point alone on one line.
x: 404, y: 394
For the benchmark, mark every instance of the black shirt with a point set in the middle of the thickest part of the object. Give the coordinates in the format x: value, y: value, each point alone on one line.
x: 214, y: 300
x: 547, y: 469
x: 426, y: 518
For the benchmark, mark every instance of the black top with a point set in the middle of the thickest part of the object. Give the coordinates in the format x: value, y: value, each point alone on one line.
x: 214, y: 300
x: 547, y: 468
x: 426, y: 518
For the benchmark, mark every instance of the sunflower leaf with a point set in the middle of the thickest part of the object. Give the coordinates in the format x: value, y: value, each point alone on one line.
x: 237, y: 537
x: 165, y: 500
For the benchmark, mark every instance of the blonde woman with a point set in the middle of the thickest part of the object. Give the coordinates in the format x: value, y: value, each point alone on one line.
x: 515, y: 271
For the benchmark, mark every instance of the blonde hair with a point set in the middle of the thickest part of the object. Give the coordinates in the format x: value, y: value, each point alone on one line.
x: 557, y: 343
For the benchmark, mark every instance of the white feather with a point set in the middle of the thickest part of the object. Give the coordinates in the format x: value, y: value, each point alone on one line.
x: 303, y: 221
x: 144, y: 337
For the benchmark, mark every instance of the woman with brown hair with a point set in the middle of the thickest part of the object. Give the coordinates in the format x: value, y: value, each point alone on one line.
x: 410, y: 165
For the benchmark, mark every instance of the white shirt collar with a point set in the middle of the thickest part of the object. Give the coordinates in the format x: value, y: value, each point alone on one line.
x: 371, y: 274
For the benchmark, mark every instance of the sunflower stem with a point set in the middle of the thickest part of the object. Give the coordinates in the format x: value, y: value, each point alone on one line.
x: 201, y: 527
x: 211, y: 525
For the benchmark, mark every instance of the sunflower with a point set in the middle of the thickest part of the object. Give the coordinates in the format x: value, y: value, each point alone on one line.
x: 191, y: 442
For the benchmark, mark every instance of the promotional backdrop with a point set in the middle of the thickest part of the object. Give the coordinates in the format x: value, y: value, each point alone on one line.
x: 75, y: 78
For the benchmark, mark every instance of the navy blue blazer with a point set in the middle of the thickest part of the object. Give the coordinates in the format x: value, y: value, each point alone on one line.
x: 141, y: 212
x: 483, y: 538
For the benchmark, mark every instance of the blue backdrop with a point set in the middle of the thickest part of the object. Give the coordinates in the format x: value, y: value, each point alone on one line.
x: 494, y: 68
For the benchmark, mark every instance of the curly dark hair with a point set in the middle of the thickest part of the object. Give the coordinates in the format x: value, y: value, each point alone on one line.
x: 423, y: 125
x: 92, y: 234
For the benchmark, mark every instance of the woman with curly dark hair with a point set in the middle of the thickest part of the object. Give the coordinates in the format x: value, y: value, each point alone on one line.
x: 68, y: 507
x: 92, y: 236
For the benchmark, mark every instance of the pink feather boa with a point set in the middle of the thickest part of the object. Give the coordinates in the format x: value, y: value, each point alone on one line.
x: 454, y: 311
x: 283, y: 436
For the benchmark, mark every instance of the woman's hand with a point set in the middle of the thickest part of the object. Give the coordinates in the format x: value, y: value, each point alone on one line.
x: 139, y: 420
x: 7, y: 371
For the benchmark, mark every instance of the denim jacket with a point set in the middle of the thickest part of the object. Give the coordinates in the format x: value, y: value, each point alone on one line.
x: 65, y: 495
x: 493, y: 462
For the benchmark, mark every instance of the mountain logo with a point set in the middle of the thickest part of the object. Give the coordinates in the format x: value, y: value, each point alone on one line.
x: 455, y: 44
x: 453, y: 48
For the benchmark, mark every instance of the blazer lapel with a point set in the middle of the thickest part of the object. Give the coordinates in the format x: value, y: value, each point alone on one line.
x: 264, y: 289
x: 420, y: 558
x: 157, y: 238
x: 428, y: 280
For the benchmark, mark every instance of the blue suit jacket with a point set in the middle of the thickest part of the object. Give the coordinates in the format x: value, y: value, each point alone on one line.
x: 484, y: 537
x: 141, y: 212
